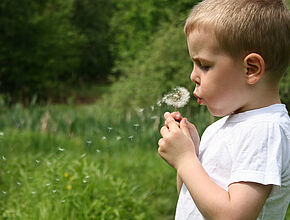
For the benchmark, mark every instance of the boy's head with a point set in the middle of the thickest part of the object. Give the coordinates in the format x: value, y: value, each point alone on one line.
x: 247, y: 26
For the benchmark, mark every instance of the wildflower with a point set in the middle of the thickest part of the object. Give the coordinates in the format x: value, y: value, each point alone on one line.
x: 60, y: 149
x: 69, y: 187
x: 4, y: 158
x: 57, y: 179
x: 33, y: 192
x: 71, y: 178
x: 98, y: 151
x: 152, y: 107
x: 83, y: 155
x: 131, y: 137
x: 62, y: 201
x: 110, y: 129
x: 4, y: 193
x: 89, y: 141
x: 104, y: 138
x: 84, y: 181
x: 1, y: 133
x: 54, y: 191
x: 118, y: 138
x: 48, y: 184
x: 66, y: 175
x: 18, y: 183
x: 37, y: 161
x: 177, y: 98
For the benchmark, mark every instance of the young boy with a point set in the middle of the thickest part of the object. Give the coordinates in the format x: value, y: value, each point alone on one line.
x: 240, y: 168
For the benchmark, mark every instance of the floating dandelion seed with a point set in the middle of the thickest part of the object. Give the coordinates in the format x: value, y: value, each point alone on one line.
x: 177, y: 98
x: 60, y: 149
x: 89, y: 142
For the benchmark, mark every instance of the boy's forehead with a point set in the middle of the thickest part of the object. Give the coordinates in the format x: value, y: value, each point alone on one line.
x: 199, y: 40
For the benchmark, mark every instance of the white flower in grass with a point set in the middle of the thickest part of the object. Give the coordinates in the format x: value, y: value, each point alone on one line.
x: 177, y: 98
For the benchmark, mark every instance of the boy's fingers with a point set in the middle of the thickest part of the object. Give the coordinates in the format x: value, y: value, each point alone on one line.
x: 164, y: 131
x: 170, y: 122
x: 184, y: 128
x: 177, y: 116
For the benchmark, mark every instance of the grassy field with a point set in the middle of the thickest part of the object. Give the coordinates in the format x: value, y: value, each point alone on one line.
x: 81, y: 162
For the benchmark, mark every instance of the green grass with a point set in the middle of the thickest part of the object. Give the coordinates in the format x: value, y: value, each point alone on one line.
x: 81, y: 162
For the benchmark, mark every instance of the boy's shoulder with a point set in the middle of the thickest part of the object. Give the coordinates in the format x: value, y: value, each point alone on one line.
x: 274, y: 115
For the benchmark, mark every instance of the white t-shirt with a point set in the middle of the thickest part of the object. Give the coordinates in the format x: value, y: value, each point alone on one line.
x: 252, y: 146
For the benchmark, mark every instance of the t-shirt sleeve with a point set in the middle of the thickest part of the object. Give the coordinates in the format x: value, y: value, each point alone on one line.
x: 257, y: 155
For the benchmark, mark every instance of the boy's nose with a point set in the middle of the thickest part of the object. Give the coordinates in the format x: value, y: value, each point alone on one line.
x: 194, y: 77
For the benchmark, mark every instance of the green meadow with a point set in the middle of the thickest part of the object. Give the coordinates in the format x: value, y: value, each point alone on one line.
x: 84, y: 162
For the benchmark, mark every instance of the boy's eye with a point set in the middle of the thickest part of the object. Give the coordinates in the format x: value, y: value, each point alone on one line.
x: 204, y: 68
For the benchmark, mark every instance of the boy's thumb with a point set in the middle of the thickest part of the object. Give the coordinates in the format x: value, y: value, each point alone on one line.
x: 184, y: 127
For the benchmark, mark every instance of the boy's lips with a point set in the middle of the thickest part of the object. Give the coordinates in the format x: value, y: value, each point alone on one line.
x: 199, y: 100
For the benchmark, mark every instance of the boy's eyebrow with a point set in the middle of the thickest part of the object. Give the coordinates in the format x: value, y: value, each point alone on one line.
x: 199, y: 59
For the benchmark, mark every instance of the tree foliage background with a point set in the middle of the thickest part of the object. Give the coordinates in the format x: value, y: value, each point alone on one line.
x: 48, y: 48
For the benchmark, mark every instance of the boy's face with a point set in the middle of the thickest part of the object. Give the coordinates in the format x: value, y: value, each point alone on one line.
x: 219, y: 79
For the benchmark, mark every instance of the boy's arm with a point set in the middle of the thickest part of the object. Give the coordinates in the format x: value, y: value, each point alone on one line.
x: 243, y: 200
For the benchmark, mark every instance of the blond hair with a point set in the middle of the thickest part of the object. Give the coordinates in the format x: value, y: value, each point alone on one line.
x: 245, y: 26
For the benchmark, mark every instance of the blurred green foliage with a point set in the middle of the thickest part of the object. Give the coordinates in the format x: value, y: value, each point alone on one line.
x: 51, y: 48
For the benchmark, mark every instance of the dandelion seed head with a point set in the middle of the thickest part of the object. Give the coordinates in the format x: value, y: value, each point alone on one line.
x: 178, y: 97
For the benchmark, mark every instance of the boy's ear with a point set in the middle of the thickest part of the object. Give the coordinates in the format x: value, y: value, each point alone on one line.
x: 254, y: 67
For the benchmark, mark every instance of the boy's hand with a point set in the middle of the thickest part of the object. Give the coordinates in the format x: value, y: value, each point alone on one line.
x: 176, y: 144
x: 192, y: 130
